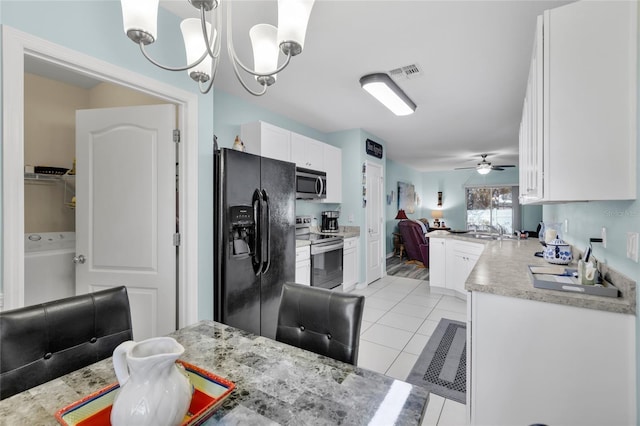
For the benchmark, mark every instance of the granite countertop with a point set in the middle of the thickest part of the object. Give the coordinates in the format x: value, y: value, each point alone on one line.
x: 343, y: 231
x: 275, y: 384
x: 503, y: 269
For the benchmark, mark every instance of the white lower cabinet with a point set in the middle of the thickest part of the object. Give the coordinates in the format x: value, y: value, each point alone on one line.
x: 437, y: 262
x: 465, y: 257
x: 350, y: 263
x: 451, y: 262
x: 537, y: 362
x: 303, y: 265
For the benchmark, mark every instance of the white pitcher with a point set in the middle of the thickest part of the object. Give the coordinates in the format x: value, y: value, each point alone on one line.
x: 153, y: 389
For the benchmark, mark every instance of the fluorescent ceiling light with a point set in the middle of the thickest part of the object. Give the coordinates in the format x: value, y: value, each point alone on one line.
x: 385, y: 90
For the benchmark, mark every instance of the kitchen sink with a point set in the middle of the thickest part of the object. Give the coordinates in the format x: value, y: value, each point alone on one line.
x: 488, y: 236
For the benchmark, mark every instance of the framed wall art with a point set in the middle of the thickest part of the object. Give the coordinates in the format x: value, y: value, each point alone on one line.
x: 406, y: 197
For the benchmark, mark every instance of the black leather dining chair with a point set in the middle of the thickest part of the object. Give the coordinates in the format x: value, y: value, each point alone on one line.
x: 322, y: 321
x: 42, y: 342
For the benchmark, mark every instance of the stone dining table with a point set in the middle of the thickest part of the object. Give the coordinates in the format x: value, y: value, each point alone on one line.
x: 275, y: 384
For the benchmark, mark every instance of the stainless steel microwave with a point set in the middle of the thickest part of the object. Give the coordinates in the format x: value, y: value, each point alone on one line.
x: 310, y: 184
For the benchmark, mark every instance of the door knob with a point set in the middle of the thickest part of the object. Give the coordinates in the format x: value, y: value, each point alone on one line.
x: 79, y: 259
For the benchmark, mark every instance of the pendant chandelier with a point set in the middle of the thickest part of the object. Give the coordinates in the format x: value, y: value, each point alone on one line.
x: 202, y: 42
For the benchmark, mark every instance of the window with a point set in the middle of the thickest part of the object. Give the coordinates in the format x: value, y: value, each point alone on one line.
x: 489, y: 208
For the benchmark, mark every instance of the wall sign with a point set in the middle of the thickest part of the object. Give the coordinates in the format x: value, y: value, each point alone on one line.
x: 374, y: 148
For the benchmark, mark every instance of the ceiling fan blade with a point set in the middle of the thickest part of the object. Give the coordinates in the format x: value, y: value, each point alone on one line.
x: 505, y: 165
x: 496, y: 168
x: 465, y: 168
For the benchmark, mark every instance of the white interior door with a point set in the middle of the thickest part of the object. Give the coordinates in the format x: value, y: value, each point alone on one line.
x: 126, y: 210
x: 375, y: 253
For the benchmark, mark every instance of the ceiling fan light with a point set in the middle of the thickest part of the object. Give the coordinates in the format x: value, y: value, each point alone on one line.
x: 265, y: 50
x: 293, y: 18
x: 385, y: 90
x: 195, y: 46
x: 484, y: 169
x: 140, y: 20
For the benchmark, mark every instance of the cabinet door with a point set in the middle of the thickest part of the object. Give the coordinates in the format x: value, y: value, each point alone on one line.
x: 333, y: 167
x: 306, y: 152
x: 267, y: 140
x: 350, y: 263
x: 437, y: 262
x: 303, y: 272
x: 464, y: 263
x: 531, y: 127
x: 590, y: 78
x: 535, y: 362
x: 303, y: 265
x: 276, y: 143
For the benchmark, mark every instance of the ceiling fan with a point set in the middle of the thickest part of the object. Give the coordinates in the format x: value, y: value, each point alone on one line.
x: 484, y: 167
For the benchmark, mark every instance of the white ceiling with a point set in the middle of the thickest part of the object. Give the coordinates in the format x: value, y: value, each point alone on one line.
x: 474, y: 56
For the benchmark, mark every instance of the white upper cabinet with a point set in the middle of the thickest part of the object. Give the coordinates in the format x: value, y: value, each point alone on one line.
x: 333, y: 168
x: 266, y: 140
x: 582, y: 112
x: 306, y: 152
x: 531, y: 130
x: 269, y: 141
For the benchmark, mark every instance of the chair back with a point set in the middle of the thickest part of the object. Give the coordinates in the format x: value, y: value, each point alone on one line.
x: 322, y: 321
x: 42, y: 342
x: 415, y: 243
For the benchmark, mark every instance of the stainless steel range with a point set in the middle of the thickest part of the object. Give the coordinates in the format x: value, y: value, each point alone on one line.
x: 326, y: 254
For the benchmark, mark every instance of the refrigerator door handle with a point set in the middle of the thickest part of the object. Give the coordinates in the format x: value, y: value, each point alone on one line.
x: 267, y: 257
x: 257, y: 230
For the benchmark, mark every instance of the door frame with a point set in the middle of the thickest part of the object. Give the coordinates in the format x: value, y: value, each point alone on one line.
x: 15, y: 46
x: 382, y: 254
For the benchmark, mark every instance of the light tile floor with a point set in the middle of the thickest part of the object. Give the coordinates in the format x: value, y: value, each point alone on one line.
x: 400, y: 314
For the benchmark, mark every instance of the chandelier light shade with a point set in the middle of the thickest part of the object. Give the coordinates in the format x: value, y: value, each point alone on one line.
x: 293, y: 18
x: 401, y: 215
x: 385, y: 90
x: 140, y: 20
x: 264, y: 40
x: 203, y: 39
x: 194, y: 45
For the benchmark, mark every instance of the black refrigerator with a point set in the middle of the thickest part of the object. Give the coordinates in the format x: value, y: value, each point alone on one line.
x: 254, y: 238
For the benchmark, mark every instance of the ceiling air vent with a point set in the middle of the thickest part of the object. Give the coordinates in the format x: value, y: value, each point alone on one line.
x: 406, y: 73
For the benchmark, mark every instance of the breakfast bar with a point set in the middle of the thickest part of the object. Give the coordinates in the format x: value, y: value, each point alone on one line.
x: 274, y: 384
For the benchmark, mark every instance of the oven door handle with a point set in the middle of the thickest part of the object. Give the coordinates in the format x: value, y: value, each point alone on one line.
x: 324, y: 248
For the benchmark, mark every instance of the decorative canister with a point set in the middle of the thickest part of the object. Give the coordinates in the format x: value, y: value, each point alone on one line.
x: 558, y: 252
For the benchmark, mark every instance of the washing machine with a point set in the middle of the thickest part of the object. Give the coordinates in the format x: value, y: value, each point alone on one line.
x: 49, y: 271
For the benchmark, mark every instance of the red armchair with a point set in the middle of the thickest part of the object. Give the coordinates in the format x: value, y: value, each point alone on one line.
x: 415, y: 243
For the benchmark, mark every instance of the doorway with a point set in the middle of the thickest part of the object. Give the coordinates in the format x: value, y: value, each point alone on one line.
x: 17, y: 46
x: 51, y: 98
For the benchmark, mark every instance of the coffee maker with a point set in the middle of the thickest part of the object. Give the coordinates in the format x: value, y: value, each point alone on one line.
x: 330, y: 221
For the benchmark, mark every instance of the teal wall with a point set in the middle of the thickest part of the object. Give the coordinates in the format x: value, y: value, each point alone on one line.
x: 400, y: 173
x: 95, y: 28
x: 452, y: 185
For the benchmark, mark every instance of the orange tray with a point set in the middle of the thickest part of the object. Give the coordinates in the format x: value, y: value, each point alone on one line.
x: 95, y: 409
